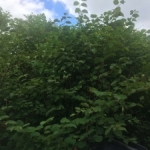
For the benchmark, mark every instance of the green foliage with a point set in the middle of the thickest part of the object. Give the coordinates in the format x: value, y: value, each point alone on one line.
x: 67, y: 86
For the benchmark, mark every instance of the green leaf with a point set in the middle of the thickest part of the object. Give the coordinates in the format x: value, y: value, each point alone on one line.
x: 118, y: 133
x: 131, y: 12
x: 99, y: 93
x: 10, y: 122
x: 101, y: 121
x: 85, y: 105
x: 81, y: 121
x: 26, y: 125
x: 76, y: 3
x: 80, y: 98
x: 132, y: 105
x: 105, y: 74
x: 42, y: 123
x: 14, y: 128
x: 49, y: 119
x: 4, y: 117
x: 116, y: 2
x: 99, y: 102
x: 68, y: 22
x: 108, y: 130
x: 55, y: 127
x: 84, y: 4
x: 122, y: 1
x: 70, y: 140
x: 56, y: 20
x: 72, y: 125
x: 97, y: 138
x: 35, y: 134
x: 113, y: 66
x: 77, y: 10
x: 135, y: 15
x: 64, y: 120
x: 120, y: 97
x: 97, y: 109
x: 94, y: 16
x: 84, y: 11
x: 30, y: 129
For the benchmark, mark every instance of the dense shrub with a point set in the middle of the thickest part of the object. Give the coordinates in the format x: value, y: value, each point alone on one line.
x: 70, y: 85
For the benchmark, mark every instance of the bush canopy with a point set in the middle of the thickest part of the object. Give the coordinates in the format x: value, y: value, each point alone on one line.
x: 65, y: 86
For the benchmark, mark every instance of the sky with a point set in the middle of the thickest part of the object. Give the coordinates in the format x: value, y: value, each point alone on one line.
x: 55, y: 8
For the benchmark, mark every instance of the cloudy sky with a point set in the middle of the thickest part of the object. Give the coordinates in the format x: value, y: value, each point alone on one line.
x: 56, y: 8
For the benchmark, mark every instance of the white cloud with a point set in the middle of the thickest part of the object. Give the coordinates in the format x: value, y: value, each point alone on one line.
x: 100, y: 6
x: 18, y: 8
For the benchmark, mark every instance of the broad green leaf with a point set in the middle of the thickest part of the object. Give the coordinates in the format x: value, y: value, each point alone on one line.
x: 116, y: 2
x: 47, y: 127
x: 81, y: 121
x: 56, y: 20
x: 97, y: 109
x: 70, y: 125
x: 55, y: 127
x: 113, y: 66
x: 108, y: 130
x: 99, y: 102
x: 80, y: 98
x: 99, y: 93
x: 56, y: 132
x: 39, y: 127
x: 14, y: 128
x: 72, y: 115
x: 131, y: 12
x: 49, y: 119
x: 85, y: 105
x: 35, y: 134
x: 120, y: 97
x: 77, y: 10
x: 132, y: 104
x: 10, y: 122
x: 122, y: 1
x: 70, y: 140
x: 97, y: 138
x: 64, y: 120
x: 76, y: 3
x: 93, y: 15
x: 68, y: 22
x: 25, y: 125
x: 118, y: 133
x: 84, y: 4
x: 84, y: 11
x: 30, y: 129
x: 135, y: 15
x: 4, y: 117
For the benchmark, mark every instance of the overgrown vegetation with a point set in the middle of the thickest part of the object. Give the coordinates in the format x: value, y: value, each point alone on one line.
x: 66, y: 86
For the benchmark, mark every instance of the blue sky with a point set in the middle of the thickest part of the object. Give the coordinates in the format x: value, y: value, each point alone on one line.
x: 55, y: 8
x: 58, y: 8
